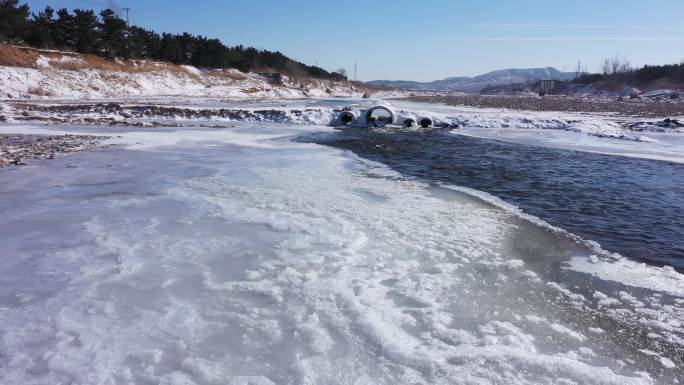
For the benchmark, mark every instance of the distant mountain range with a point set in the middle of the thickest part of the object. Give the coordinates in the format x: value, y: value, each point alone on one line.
x: 477, y: 83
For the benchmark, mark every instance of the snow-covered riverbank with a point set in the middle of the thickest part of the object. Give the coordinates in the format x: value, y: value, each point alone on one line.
x: 600, y: 133
x: 46, y: 82
x: 28, y: 73
x: 650, y: 139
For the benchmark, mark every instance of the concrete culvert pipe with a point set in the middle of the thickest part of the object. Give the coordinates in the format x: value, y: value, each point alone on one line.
x: 379, y: 116
x: 408, y: 122
x: 425, y: 122
x: 347, y: 117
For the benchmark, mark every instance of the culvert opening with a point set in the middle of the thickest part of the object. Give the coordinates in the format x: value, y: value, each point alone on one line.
x: 346, y: 118
x: 425, y: 122
x: 408, y: 123
x: 379, y: 117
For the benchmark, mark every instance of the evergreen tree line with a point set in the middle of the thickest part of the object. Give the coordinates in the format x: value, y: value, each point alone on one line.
x: 106, y: 34
x: 620, y: 70
x: 645, y: 74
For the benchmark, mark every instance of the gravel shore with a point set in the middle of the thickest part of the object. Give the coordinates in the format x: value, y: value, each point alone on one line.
x: 632, y: 108
x: 16, y: 148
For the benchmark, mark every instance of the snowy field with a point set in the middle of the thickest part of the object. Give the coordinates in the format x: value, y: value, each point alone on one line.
x: 196, y: 255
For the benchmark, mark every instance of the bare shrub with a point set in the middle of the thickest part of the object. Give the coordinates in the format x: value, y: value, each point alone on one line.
x: 227, y: 74
x: 616, y: 66
x: 39, y: 91
x: 252, y: 90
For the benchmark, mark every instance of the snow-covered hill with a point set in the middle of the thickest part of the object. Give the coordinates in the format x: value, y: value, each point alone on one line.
x: 477, y: 83
x: 27, y: 73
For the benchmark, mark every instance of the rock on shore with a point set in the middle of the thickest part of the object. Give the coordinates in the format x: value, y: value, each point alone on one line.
x: 16, y: 148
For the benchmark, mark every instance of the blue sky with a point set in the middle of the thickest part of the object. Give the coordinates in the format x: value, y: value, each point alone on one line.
x: 426, y: 39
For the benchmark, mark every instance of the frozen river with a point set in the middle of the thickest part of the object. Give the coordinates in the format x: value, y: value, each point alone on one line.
x: 241, y: 256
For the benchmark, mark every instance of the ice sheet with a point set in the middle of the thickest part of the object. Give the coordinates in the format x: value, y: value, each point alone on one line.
x: 199, y: 256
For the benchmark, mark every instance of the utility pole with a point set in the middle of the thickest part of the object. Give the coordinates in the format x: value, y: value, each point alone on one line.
x: 127, y: 23
x: 356, y: 79
x: 128, y: 32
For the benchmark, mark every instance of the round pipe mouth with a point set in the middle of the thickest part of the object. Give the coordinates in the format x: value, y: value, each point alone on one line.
x: 408, y: 123
x: 379, y: 116
x: 346, y: 118
x: 425, y: 122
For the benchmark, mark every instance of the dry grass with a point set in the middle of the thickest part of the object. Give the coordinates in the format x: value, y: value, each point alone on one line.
x: 16, y: 56
x: 252, y: 90
x: 39, y: 91
x: 110, y: 77
x: 227, y: 74
x: 320, y: 83
x: 81, y: 62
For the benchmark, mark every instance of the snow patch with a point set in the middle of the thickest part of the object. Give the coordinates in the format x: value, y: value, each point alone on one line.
x: 42, y: 61
x: 664, y: 279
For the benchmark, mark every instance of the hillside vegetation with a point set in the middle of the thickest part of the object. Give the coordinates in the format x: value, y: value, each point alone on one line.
x: 107, y: 35
x: 617, y: 73
x: 27, y: 73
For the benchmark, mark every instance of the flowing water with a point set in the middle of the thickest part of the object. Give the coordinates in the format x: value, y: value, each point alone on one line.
x: 631, y: 206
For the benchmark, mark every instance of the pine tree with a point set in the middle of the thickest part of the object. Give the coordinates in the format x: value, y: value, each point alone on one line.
x: 86, y: 34
x: 42, y: 29
x: 113, y: 34
x: 169, y: 49
x: 14, y: 22
x: 188, y: 46
x: 210, y: 53
x: 63, y: 30
x: 142, y: 43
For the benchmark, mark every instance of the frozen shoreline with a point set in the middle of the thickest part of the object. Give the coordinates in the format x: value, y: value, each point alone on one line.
x: 17, y: 148
x: 254, y: 259
x: 649, y: 139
